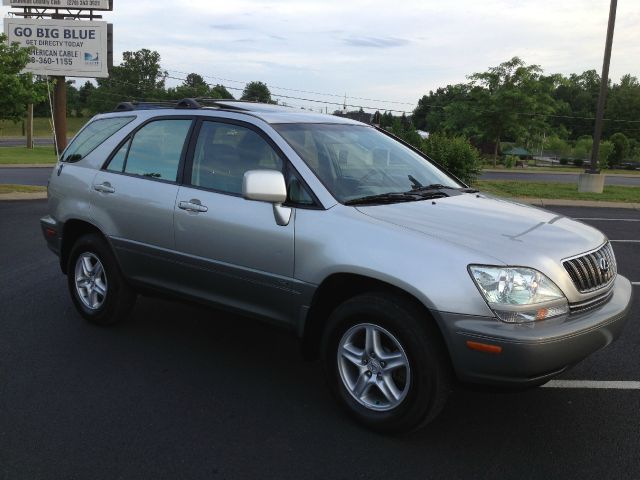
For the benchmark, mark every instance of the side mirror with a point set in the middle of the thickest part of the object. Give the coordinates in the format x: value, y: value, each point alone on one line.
x: 264, y: 186
x: 268, y: 186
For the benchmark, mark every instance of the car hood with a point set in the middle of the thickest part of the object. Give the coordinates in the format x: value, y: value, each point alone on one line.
x: 510, y: 232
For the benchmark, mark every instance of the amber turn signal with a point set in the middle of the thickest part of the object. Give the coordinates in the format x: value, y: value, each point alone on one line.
x: 484, y: 347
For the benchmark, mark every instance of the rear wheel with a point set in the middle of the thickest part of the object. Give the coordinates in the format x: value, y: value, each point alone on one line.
x: 385, y: 362
x: 98, y: 289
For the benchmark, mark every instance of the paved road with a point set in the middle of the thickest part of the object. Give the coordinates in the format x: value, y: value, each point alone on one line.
x: 25, y: 176
x: 22, y: 142
x: 630, y: 180
x: 187, y: 392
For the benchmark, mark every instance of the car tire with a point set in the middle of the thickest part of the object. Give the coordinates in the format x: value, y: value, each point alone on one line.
x: 403, y: 381
x: 98, y: 289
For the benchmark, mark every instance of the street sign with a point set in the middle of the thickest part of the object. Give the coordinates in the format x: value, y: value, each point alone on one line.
x: 68, y: 48
x: 66, y: 4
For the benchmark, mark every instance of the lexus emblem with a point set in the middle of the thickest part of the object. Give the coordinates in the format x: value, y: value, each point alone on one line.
x: 604, y: 265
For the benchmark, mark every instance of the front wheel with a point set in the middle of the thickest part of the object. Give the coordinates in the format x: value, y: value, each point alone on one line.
x: 98, y: 289
x: 385, y: 362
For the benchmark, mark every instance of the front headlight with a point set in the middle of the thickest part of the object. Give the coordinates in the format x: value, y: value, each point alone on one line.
x: 519, y: 295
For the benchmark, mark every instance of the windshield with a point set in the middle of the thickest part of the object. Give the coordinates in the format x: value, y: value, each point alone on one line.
x: 354, y: 162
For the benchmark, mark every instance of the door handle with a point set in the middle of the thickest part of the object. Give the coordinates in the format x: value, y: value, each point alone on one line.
x: 104, y: 188
x: 193, y: 206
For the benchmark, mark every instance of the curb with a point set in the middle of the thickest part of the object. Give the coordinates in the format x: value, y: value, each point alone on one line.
x: 23, y: 196
x: 549, y: 202
x: 534, y: 172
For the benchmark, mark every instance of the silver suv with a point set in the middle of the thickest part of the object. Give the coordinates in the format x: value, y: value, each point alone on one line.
x: 397, y: 275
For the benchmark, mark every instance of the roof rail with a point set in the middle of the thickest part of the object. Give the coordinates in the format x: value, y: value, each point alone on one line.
x: 130, y: 106
x: 185, y: 104
x: 188, y: 103
x: 227, y: 104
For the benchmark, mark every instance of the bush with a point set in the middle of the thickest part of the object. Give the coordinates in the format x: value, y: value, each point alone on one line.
x: 621, y: 148
x: 455, y: 154
x: 564, y: 161
x: 578, y: 162
x: 510, y: 161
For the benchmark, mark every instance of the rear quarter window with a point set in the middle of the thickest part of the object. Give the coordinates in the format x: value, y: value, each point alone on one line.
x: 92, y: 136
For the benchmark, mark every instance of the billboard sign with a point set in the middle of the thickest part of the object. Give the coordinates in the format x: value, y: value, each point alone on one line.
x: 62, y: 47
x: 66, y: 4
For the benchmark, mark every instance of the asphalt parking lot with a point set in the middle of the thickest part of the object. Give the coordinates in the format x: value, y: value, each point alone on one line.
x: 186, y: 392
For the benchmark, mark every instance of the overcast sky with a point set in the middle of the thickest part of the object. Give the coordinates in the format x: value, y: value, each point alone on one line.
x: 384, y: 50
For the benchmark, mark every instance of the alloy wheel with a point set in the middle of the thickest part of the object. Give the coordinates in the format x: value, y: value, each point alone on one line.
x: 373, y: 367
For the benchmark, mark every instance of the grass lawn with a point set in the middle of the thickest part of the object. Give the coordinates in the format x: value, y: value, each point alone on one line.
x: 565, y: 191
x: 21, y: 189
x: 41, y: 127
x: 22, y: 155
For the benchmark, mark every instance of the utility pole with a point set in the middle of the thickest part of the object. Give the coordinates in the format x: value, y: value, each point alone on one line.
x: 60, y: 107
x: 604, y: 85
x: 29, y: 132
x: 60, y: 112
x: 30, y: 126
x: 592, y: 181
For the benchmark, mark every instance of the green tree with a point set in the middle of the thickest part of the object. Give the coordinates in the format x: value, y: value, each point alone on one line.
x: 584, y: 145
x: 193, y: 86
x: 455, y: 154
x: 576, y: 97
x: 138, y: 77
x: 18, y: 89
x: 620, y: 148
x: 220, y: 91
x: 84, y: 95
x: 73, y: 100
x: 406, y: 131
x: 623, y: 105
x: 448, y: 110
x: 557, y: 147
x: 511, y: 99
x: 257, y: 92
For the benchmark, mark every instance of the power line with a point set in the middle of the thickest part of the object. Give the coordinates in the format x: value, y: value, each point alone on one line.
x: 392, y: 102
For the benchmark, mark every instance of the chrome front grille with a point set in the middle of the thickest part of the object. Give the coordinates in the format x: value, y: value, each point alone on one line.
x: 591, y: 304
x: 593, y: 270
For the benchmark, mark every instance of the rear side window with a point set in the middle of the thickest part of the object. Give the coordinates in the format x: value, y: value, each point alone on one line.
x: 92, y: 136
x: 154, y: 152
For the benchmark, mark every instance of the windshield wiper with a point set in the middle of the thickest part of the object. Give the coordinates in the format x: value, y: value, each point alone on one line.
x: 438, y: 186
x: 433, y: 186
x: 382, y: 198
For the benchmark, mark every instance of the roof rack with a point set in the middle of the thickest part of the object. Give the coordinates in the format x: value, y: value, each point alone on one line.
x: 184, y: 104
x: 129, y: 106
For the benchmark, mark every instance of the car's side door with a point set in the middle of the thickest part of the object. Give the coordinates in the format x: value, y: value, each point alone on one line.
x: 134, y: 196
x: 234, y: 251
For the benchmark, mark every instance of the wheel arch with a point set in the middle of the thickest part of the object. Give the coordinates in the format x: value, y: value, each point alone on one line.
x: 71, y: 231
x: 338, y: 288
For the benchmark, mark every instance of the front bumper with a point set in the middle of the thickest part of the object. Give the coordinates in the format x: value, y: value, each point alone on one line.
x: 52, y: 233
x: 533, y: 353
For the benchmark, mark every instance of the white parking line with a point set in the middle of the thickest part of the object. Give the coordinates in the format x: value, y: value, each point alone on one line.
x: 624, y: 241
x: 637, y: 284
x: 615, y: 385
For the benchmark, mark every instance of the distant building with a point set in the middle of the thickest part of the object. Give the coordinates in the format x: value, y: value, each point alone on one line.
x: 523, y: 153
